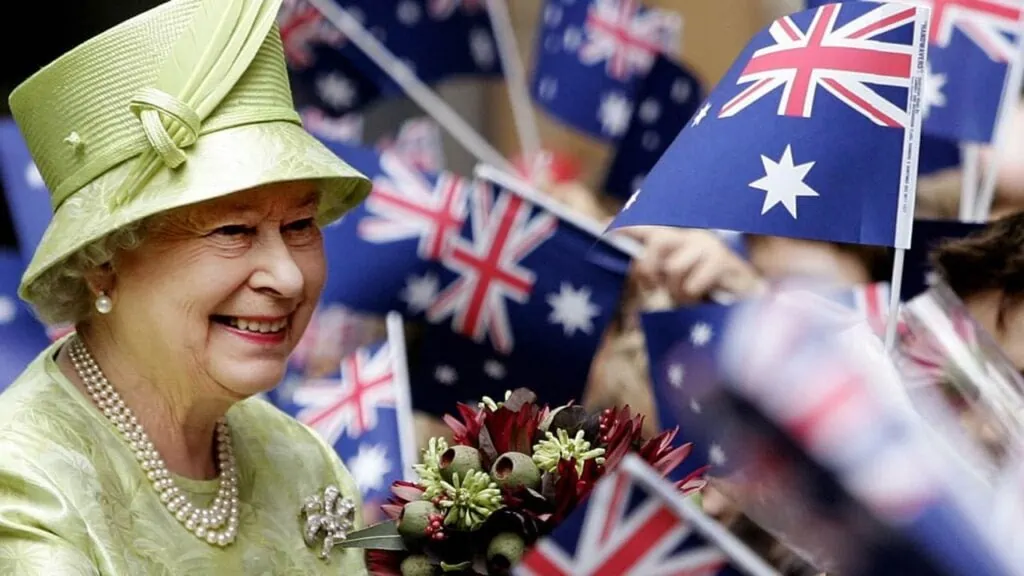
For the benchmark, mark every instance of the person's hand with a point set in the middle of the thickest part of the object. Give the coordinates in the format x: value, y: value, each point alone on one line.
x: 692, y: 265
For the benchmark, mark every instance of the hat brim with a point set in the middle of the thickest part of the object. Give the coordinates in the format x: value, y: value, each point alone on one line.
x: 219, y: 164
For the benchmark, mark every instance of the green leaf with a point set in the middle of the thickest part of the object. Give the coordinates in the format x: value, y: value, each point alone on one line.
x: 446, y: 567
x: 383, y: 536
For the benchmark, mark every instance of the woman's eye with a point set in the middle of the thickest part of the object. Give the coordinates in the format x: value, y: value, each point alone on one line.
x: 301, y: 225
x: 233, y: 230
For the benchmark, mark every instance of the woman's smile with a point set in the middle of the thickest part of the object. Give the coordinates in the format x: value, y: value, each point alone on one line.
x: 262, y: 330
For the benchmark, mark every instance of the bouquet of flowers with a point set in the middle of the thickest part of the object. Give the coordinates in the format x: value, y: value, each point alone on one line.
x: 513, y: 472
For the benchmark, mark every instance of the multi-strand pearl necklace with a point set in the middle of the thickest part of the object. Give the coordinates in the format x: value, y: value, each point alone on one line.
x: 216, y: 524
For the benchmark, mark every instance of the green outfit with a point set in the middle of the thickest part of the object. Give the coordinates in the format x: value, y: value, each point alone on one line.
x: 74, y: 501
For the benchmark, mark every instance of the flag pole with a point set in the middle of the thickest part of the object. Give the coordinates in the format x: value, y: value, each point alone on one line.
x: 895, y: 287
x: 403, y: 395
x: 406, y: 79
x: 1011, y: 96
x: 745, y: 558
x: 518, y: 94
x: 970, y: 159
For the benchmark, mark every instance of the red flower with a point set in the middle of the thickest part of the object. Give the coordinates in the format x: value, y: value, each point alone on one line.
x: 511, y: 431
x: 404, y: 492
x: 466, y: 431
x: 384, y: 562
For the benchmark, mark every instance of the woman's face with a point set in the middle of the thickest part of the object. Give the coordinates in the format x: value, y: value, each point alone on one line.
x: 223, y: 289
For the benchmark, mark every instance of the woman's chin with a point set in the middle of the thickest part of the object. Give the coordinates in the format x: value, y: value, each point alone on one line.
x: 245, y: 379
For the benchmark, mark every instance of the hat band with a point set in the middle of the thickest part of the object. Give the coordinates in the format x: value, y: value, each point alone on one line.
x: 114, y: 156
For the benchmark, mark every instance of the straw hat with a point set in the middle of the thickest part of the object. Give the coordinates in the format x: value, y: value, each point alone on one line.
x: 184, y: 103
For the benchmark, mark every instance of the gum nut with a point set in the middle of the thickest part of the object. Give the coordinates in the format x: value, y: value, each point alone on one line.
x: 418, y: 565
x: 459, y: 460
x: 505, y: 550
x: 415, y: 518
x: 515, y: 470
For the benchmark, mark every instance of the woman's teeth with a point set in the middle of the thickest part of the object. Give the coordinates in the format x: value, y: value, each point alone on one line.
x: 259, y: 327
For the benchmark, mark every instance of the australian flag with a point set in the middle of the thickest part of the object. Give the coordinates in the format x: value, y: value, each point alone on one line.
x: 592, y: 56
x: 667, y: 99
x: 813, y: 133
x: 357, y: 409
x: 972, y: 45
x: 682, y: 347
x: 626, y: 529
x: 27, y: 197
x: 22, y: 337
x: 385, y: 254
x: 520, y: 298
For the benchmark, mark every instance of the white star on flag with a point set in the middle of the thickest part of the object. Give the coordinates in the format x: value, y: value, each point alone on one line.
x: 369, y: 467
x: 336, y: 90
x: 446, y: 375
x: 494, y: 369
x: 649, y: 111
x: 933, y: 95
x: 7, y: 310
x: 783, y: 182
x: 573, y: 309
x: 420, y: 292
x: 614, y: 114
x: 716, y: 455
x: 695, y: 406
x: 676, y: 374
x: 481, y: 48
x: 701, y: 334
x: 408, y: 12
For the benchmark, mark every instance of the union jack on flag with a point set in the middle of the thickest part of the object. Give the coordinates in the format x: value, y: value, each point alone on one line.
x: 349, y: 406
x: 842, y: 59
x: 303, y: 27
x: 489, y: 265
x: 993, y: 25
x: 404, y: 205
x: 628, y: 38
x: 625, y: 530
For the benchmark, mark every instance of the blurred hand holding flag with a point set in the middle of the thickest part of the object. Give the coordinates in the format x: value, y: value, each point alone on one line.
x: 858, y: 66
x: 591, y: 57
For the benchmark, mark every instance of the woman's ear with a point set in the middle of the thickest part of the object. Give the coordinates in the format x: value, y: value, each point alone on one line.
x: 101, y: 279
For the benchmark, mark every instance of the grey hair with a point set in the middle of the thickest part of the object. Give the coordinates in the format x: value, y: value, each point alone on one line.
x: 61, y: 295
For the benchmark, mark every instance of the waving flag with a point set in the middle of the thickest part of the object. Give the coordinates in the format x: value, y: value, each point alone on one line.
x: 831, y: 402
x: 624, y: 528
x: 523, y: 297
x: 27, y: 197
x: 591, y: 57
x: 22, y: 337
x: 666, y: 101
x: 360, y: 409
x: 973, y: 44
x: 813, y: 133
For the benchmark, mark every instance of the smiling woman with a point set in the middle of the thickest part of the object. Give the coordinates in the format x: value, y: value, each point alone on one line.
x: 186, y: 250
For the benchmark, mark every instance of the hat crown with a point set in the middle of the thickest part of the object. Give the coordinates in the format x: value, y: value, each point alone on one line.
x: 87, y: 112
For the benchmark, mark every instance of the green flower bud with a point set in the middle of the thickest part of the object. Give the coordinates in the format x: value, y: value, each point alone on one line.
x: 459, y: 460
x: 415, y: 518
x: 504, y: 551
x: 515, y: 470
x: 418, y: 565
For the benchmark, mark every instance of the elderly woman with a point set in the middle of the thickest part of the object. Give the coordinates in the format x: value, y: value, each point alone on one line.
x: 185, y: 249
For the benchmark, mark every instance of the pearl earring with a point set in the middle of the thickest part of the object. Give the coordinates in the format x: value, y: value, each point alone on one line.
x: 104, y: 304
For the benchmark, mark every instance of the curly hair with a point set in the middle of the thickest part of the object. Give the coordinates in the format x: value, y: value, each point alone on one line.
x: 61, y: 295
x: 990, y: 259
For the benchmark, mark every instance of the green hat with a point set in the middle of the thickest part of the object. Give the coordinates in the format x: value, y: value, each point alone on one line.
x: 184, y: 103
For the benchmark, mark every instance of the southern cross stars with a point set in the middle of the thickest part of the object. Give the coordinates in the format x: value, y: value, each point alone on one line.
x: 783, y: 182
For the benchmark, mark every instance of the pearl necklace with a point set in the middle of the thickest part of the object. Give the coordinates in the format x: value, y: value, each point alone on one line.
x: 217, y: 524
